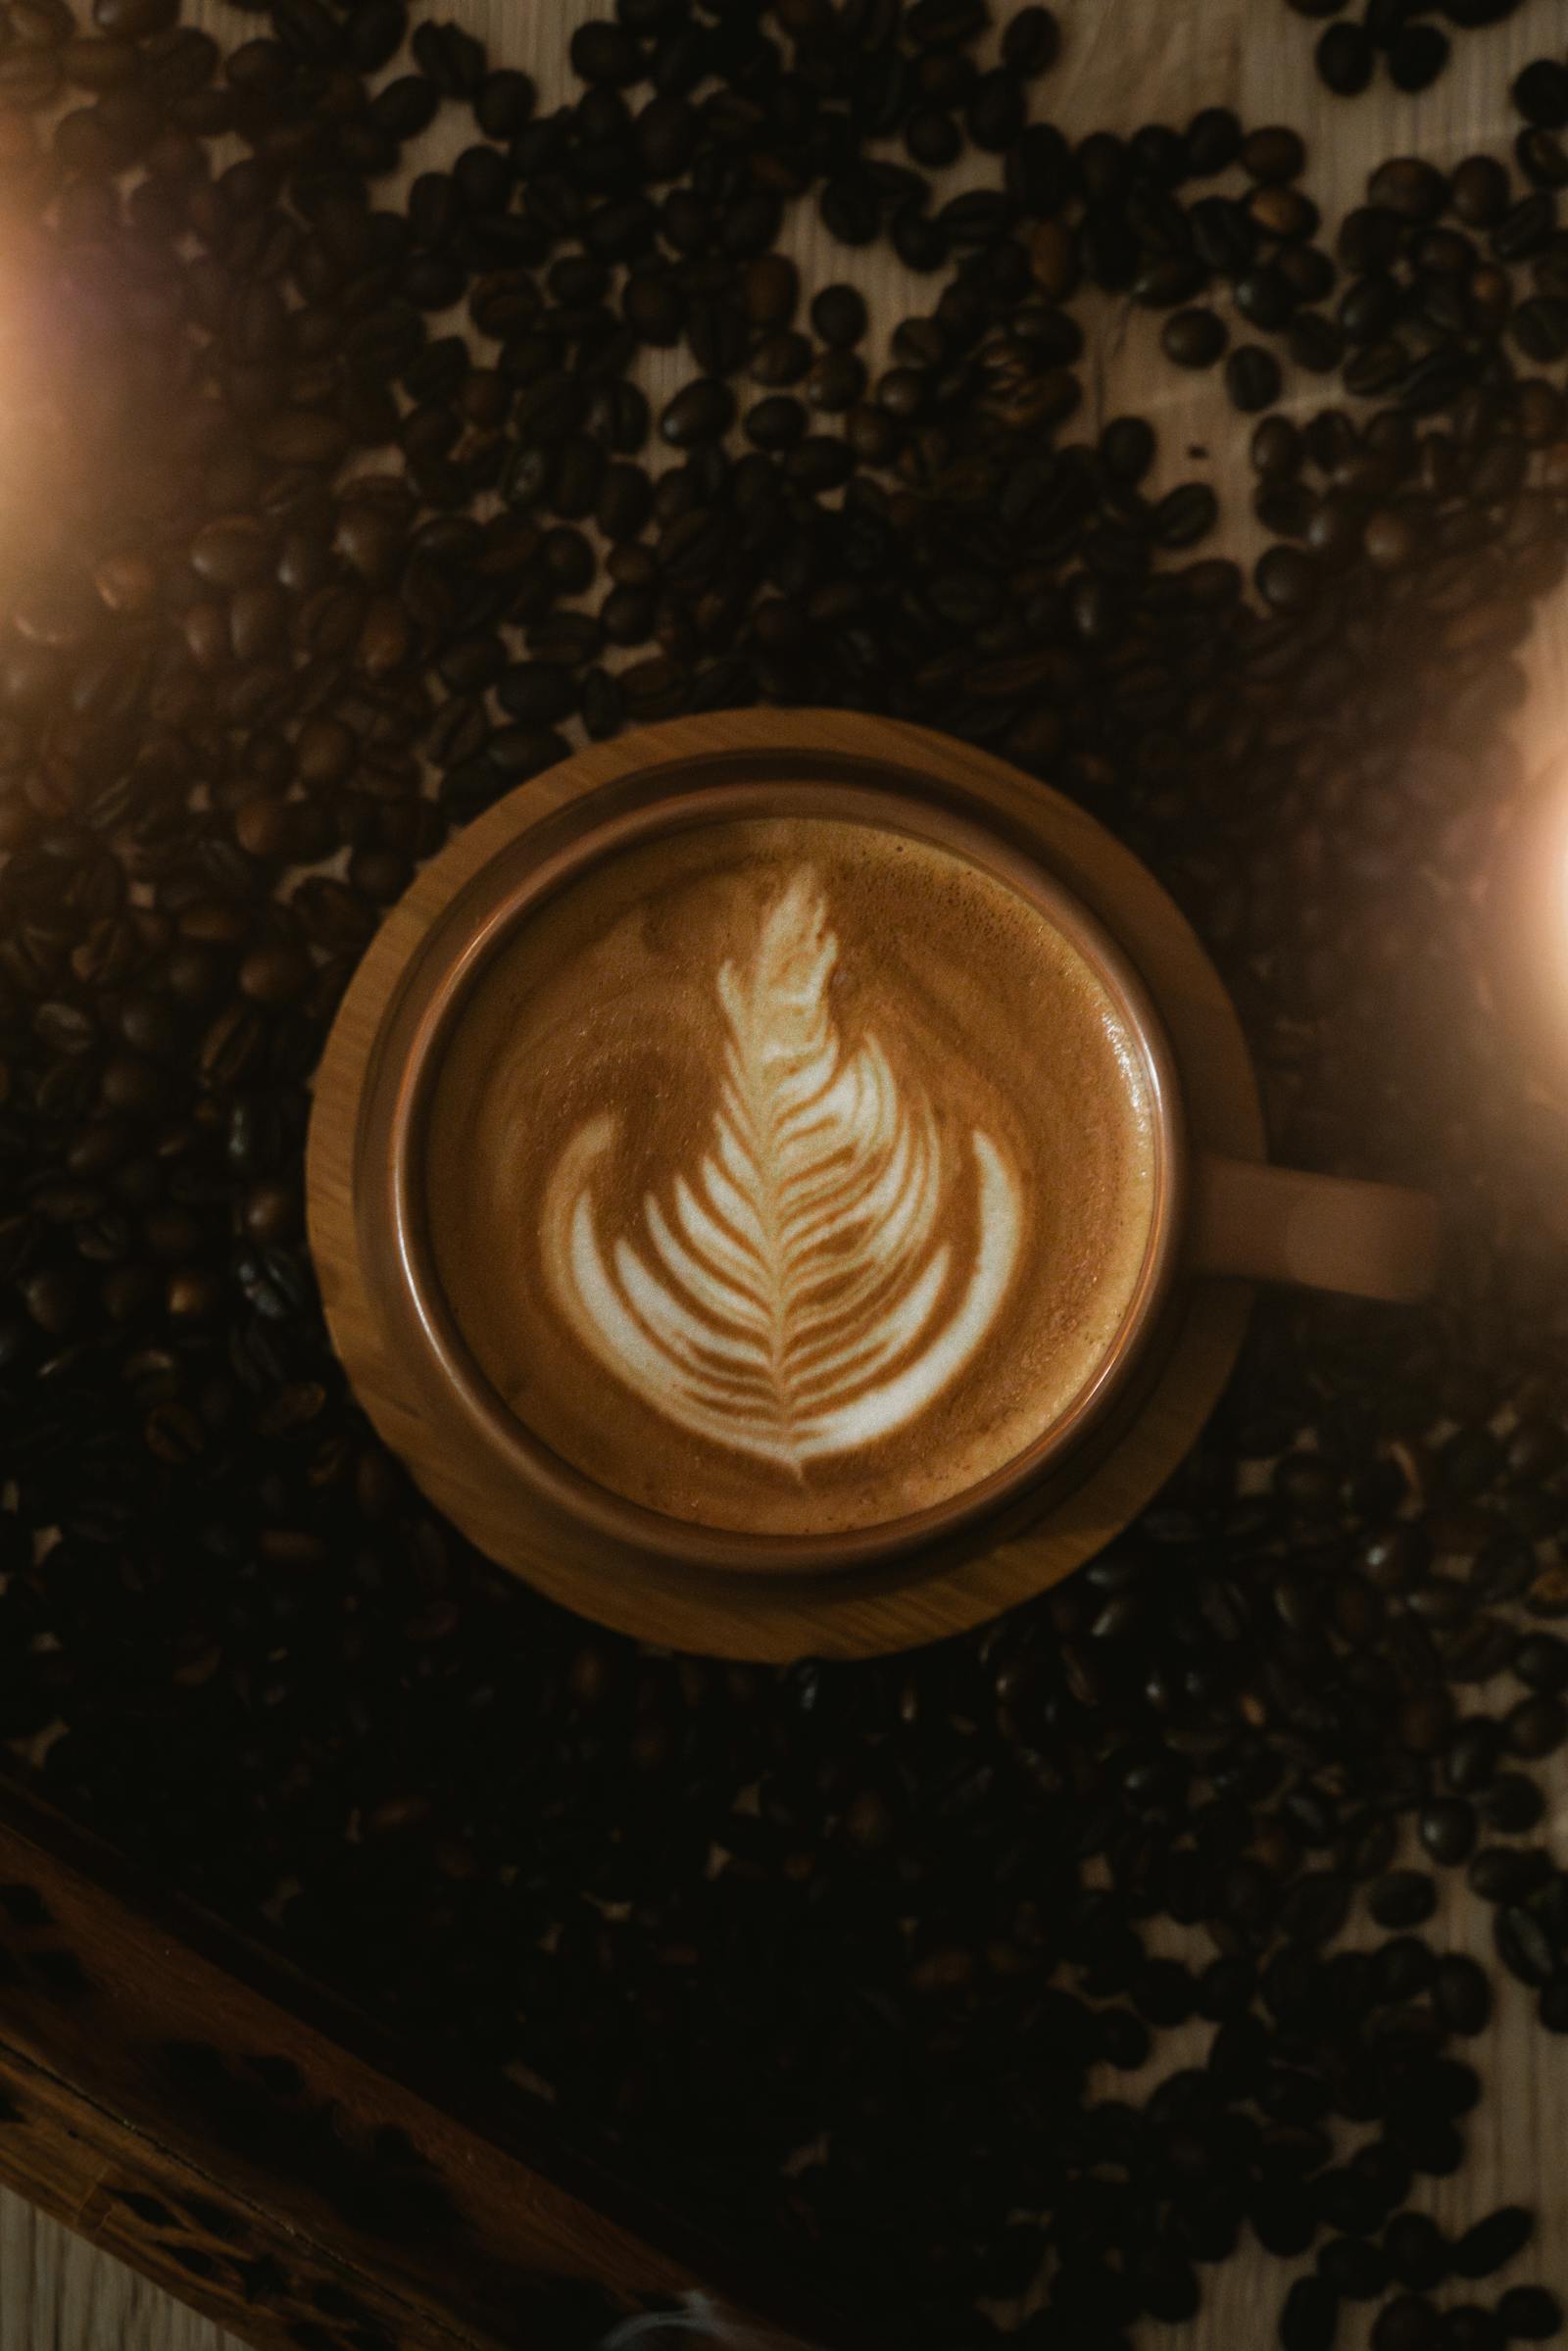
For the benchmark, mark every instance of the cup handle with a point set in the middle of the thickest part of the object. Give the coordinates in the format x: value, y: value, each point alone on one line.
x: 1276, y: 1224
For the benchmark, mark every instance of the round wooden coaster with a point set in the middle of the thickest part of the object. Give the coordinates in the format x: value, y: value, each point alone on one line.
x: 775, y: 1618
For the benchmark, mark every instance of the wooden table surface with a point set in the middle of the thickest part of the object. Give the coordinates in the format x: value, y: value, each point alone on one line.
x: 1124, y: 63
x: 59, y: 2293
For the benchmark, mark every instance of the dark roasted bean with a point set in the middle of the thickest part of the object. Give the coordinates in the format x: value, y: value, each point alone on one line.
x: 1344, y: 59
x: 1404, y: 1898
x: 1184, y: 516
x: 1524, y: 1946
x: 1409, y: 2322
x: 1272, y: 155
x: 1417, y: 2251
x: 1253, y: 378
x: 1417, y: 55
x: 1488, y: 2244
x: 702, y: 412
x: 1310, y: 2318
x: 1529, y: 2314
x: 839, y: 316
x: 1447, y: 1828
x: 1193, y: 339
x: 1287, y: 578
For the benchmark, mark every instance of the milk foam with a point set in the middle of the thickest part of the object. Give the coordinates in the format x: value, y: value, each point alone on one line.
x: 788, y: 1175
x: 785, y: 1304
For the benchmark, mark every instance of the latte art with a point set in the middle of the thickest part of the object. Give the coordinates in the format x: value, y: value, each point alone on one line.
x: 787, y: 1301
x: 787, y: 1175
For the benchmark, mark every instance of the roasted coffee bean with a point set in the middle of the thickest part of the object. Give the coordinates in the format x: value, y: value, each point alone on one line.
x: 1369, y: 308
x: 1315, y: 342
x: 1282, y: 213
x: 1479, y: 191
x: 1529, y: 2314
x: 932, y: 136
x: 1277, y: 449
x: 1307, y: 271
x: 1309, y: 2319
x: 820, y: 463
x: 1403, y: 1898
x: 1344, y: 58
x: 702, y: 412
x: 771, y: 291
x: 1253, y: 378
x: 605, y: 54
x: 1447, y: 1828
x: 537, y: 691
x: 1354, y: 2268
x: 1031, y: 41
x: 1417, y: 55
x: 775, y: 423
x: 1540, y: 92
x: 1223, y: 234
x: 1417, y: 2250
x: 1525, y: 228
x: 1193, y: 339
x: 849, y: 209
x: 275, y: 975
x: 1524, y: 1946
x: 781, y: 359
x: 1408, y: 187
x: 1504, y: 1873
x: 839, y: 316
x: 1266, y: 296
x: 1467, y: 2326
x: 1491, y: 2242
x: 1472, y: 1756
x: 1461, y: 1994
x: 1287, y: 578
x: 1284, y: 2222
x: 996, y: 113
x: 1541, y: 1662
x: 1213, y: 142
x: 1542, y: 157
x: 836, y: 381
x: 1539, y: 326
x: 1169, y: 278
x: 1185, y: 514
x: 1127, y: 448
x: 1408, y: 2322
x: 1536, y: 1727
x: 1512, y: 1804
x: 1273, y: 155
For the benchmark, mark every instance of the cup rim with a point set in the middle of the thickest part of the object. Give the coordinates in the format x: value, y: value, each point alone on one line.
x: 546, y: 857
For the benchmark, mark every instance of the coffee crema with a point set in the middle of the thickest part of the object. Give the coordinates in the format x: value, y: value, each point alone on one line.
x: 788, y: 1175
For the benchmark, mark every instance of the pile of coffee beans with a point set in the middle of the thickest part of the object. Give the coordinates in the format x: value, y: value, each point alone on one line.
x: 1411, y: 40
x: 346, y: 510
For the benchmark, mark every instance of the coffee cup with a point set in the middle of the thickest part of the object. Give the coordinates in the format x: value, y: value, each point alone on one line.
x: 771, y: 1166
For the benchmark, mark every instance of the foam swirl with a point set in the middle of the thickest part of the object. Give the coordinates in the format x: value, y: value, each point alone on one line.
x: 791, y: 1300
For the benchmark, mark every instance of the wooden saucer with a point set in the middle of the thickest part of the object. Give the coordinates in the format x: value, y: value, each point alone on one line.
x: 777, y: 1618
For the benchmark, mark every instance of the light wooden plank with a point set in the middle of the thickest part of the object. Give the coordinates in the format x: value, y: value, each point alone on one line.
x: 59, y: 2293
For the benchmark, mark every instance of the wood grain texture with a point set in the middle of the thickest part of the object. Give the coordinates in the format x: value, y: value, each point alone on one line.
x: 405, y: 1393
x: 59, y: 2293
x: 1126, y: 62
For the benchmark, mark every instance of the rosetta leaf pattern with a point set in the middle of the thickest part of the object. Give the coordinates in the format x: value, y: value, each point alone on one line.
x: 783, y: 1298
